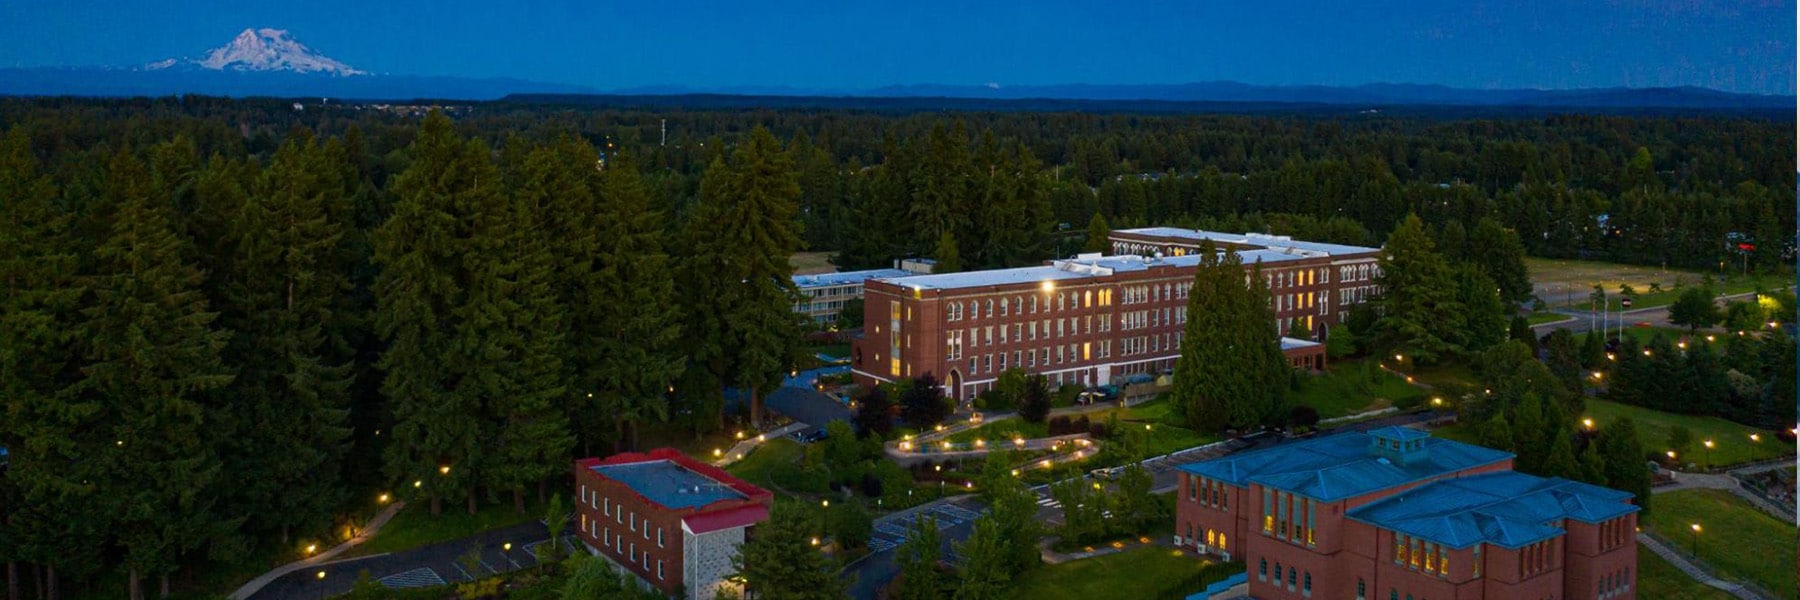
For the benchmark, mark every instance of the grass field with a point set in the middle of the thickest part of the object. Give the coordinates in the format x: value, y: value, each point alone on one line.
x: 1545, y: 317
x: 1146, y: 572
x: 765, y: 460
x: 1002, y: 431
x: 1352, y: 387
x: 414, y: 526
x: 1736, y: 539
x: 1731, y: 441
x: 1656, y: 578
x: 1568, y: 283
x: 812, y: 263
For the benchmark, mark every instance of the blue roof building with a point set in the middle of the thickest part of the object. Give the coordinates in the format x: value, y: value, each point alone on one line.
x: 1347, y: 465
x: 1506, y: 509
x: 1396, y: 513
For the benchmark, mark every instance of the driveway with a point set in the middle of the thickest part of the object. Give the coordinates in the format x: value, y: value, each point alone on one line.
x: 421, y: 567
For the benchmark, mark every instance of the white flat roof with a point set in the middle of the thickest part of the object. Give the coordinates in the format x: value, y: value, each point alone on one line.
x: 1258, y: 239
x: 1082, y: 267
x: 845, y: 277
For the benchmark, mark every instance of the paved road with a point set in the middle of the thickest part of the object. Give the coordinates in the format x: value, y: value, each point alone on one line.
x: 1656, y: 317
x: 421, y: 567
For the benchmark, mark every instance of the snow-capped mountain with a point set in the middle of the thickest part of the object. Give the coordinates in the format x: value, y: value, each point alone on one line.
x: 263, y: 50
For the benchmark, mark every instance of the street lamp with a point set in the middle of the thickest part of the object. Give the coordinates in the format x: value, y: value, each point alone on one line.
x: 1696, y: 546
x: 1588, y: 423
x: 1755, y: 438
x: 383, y: 499
x: 1671, y: 454
x: 321, y: 578
x: 1709, y: 445
x: 444, y: 470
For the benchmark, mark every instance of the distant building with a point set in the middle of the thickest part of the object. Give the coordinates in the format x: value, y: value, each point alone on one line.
x: 672, y: 521
x: 1090, y: 319
x: 1395, y: 513
x: 823, y: 295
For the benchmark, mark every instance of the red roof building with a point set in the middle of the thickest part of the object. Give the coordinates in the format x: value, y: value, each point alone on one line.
x: 674, y: 522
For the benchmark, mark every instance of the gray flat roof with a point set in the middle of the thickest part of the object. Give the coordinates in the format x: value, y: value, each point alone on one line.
x: 1072, y: 270
x: 1258, y: 239
x: 1288, y: 343
x: 845, y: 278
x: 669, y: 484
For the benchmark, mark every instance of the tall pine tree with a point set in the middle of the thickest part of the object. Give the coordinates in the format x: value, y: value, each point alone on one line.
x: 422, y: 249
x: 1421, y: 318
x: 152, y: 356
x: 1231, y: 373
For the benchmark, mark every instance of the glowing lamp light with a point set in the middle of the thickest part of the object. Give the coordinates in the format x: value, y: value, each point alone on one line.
x: 824, y: 504
x: 1709, y: 444
x: 740, y: 435
x: 1399, y: 357
x: 1755, y: 437
x: 1146, y: 427
x: 980, y: 443
x: 906, y: 445
x: 382, y: 499
x: 1709, y: 338
x: 311, y: 548
x: 506, y: 547
x: 418, y: 482
x: 815, y: 541
x: 321, y: 575
x: 1437, y: 400
x: 1588, y: 423
x: 968, y: 485
x: 1015, y: 472
x: 1018, y: 441
x: 1671, y: 454
x: 1646, y: 352
x: 1048, y: 286
x: 1695, y: 527
x: 717, y: 452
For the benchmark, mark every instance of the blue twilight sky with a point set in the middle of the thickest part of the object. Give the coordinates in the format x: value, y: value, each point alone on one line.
x: 1741, y: 45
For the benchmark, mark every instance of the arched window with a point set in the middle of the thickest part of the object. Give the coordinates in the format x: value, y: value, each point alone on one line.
x: 1262, y: 570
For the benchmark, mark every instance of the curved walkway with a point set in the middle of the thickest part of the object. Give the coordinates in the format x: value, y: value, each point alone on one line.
x: 1681, y: 562
x: 249, y: 589
x: 1728, y: 483
x: 743, y: 447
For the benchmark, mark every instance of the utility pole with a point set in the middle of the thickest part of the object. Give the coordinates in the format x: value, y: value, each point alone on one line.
x: 665, y: 134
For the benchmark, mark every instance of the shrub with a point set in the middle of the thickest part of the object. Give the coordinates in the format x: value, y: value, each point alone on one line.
x: 871, y: 484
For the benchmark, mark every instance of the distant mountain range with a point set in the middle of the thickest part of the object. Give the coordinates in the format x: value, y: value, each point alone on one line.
x: 269, y: 62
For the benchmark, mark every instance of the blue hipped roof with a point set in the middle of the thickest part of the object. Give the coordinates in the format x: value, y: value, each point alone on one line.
x: 1507, y: 509
x: 1342, y: 466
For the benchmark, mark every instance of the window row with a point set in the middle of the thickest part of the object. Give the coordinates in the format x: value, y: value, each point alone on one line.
x: 1616, y: 583
x: 1026, y: 304
x: 1421, y: 555
x: 1031, y: 359
x: 1289, y: 517
x: 1209, y: 493
x: 1296, y: 278
x: 1293, y: 577
x: 1361, y: 272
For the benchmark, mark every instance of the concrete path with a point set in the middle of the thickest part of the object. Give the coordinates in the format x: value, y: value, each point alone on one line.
x: 369, y: 531
x: 742, y: 449
x: 1681, y: 562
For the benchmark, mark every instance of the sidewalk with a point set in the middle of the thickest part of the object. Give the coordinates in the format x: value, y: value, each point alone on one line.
x: 741, y: 449
x: 1681, y: 562
x: 249, y: 589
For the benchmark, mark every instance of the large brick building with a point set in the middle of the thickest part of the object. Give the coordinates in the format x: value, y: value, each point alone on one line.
x: 1395, y: 513
x: 672, y: 521
x: 1092, y: 318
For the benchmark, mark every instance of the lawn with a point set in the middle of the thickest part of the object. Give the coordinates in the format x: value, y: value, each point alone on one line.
x: 767, y: 459
x: 1731, y: 441
x: 1656, y: 578
x: 414, y: 526
x: 1145, y: 572
x: 1002, y: 430
x: 1352, y: 387
x: 811, y: 263
x: 1736, y: 540
x: 1545, y: 317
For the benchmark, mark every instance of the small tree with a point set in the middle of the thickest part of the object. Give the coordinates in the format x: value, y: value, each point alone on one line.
x: 850, y: 524
x: 778, y: 562
x: 1679, y: 439
x: 922, y: 404
x: 1097, y: 233
x: 917, y: 557
x: 1694, y: 308
x: 874, y: 413
x: 1303, y: 416
x: 851, y: 315
x: 556, y: 519
x: 1034, y: 406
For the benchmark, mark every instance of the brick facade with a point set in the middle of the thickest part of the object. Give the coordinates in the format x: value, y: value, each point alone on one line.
x: 1084, y: 321
x: 657, y: 543
x: 1306, y: 548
